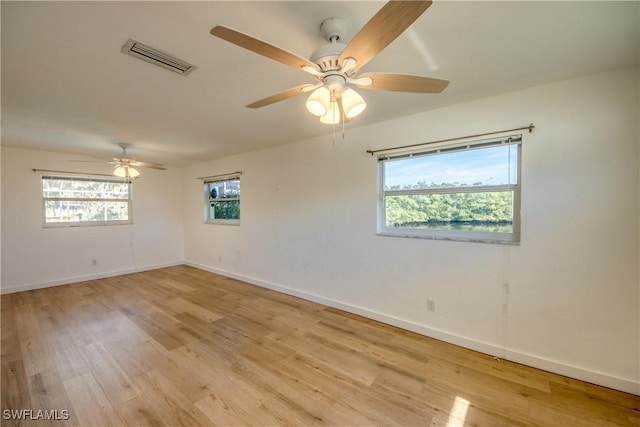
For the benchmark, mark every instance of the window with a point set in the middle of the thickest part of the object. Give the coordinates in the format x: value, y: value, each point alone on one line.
x: 222, y: 200
x: 464, y: 192
x: 70, y: 200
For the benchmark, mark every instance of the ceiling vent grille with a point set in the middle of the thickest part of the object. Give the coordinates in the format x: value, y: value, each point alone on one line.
x: 162, y: 59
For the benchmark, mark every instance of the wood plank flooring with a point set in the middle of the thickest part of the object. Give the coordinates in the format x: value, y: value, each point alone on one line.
x: 181, y: 346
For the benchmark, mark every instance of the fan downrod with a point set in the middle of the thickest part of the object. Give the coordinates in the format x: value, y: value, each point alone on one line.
x: 124, y: 146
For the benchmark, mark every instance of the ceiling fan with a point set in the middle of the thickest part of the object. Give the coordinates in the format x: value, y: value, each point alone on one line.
x: 335, y: 65
x: 125, y: 167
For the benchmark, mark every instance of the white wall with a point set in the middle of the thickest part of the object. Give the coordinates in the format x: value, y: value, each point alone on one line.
x: 567, y: 299
x: 34, y: 257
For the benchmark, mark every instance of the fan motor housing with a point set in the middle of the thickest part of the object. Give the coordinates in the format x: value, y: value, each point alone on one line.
x: 326, y: 56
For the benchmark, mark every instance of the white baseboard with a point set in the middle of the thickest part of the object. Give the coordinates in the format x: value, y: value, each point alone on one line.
x: 583, y: 374
x: 76, y: 279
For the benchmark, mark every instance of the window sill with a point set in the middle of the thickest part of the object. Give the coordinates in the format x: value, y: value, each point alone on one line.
x: 461, y: 238
x: 224, y: 222
x: 85, y: 224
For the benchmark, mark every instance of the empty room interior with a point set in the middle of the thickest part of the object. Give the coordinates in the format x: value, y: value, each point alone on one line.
x: 337, y: 213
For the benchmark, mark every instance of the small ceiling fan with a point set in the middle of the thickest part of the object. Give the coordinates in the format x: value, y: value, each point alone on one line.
x: 335, y: 65
x: 125, y: 167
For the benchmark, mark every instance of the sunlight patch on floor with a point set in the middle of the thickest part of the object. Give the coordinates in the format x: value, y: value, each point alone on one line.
x: 458, y: 413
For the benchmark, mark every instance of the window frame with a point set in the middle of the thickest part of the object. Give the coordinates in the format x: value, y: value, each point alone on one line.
x: 85, y: 178
x: 512, y: 238
x: 208, y: 200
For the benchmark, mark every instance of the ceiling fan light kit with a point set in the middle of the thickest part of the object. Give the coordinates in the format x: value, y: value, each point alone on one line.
x: 352, y: 103
x: 323, y: 102
x: 333, y: 115
x: 125, y: 167
x: 335, y: 65
x: 125, y: 171
x: 318, y: 101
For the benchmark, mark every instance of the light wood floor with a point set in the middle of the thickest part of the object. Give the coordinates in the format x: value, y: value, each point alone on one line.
x: 180, y: 346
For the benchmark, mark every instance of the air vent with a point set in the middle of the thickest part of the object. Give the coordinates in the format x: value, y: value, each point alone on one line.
x: 157, y: 57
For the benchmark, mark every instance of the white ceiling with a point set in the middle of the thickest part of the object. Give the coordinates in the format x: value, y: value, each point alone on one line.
x: 66, y: 87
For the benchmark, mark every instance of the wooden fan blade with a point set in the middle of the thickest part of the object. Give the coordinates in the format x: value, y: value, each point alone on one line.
x: 148, y: 165
x: 382, y: 29
x: 403, y: 83
x: 262, y: 48
x: 289, y: 93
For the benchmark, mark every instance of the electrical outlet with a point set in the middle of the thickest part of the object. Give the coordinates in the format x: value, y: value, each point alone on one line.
x: 94, y: 262
x: 431, y: 305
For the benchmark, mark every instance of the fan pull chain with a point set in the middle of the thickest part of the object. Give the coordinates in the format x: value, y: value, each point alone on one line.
x: 334, y: 134
x: 333, y: 124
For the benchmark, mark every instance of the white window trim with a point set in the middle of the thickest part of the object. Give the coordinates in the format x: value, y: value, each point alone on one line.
x: 46, y: 224
x: 453, y: 235
x: 207, y: 199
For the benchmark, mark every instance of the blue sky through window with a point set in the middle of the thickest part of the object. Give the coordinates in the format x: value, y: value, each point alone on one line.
x: 483, y: 166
